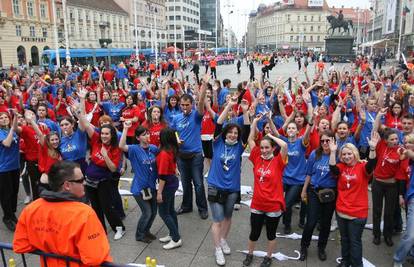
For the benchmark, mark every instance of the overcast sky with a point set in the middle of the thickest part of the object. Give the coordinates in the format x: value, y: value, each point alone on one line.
x: 238, y: 20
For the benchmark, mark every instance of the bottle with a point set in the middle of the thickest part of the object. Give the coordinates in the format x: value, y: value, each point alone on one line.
x: 125, y: 203
x: 148, y: 262
x: 12, y: 262
x: 153, y: 263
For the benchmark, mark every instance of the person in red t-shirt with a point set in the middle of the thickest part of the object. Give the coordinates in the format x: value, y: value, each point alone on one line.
x: 60, y: 103
x: 393, y: 116
x: 385, y: 183
x: 131, y: 112
x: 154, y: 123
x: 168, y: 184
x: 92, y: 109
x: 268, y: 202
x: 352, y: 201
x: 49, y: 149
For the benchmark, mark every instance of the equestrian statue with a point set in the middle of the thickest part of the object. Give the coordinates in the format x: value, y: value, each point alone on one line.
x: 339, y: 22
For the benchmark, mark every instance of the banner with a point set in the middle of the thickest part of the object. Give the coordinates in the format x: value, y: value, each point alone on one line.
x: 390, y: 16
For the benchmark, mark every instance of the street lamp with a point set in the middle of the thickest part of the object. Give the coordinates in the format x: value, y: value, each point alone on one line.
x: 175, y: 34
x: 55, y: 33
x: 65, y: 27
x: 154, y: 11
x: 228, y: 34
x: 136, y: 31
x: 373, y: 28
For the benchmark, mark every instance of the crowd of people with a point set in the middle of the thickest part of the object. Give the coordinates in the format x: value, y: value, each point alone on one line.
x: 321, y: 142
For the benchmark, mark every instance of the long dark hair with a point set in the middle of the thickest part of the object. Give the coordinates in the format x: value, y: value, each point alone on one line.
x: 319, y: 150
x: 168, y: 140
x: 114, y: 136
x: 229, y: 127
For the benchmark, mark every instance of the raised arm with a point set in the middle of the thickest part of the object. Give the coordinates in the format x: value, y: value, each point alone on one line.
x: 253, y: 130
x: 202, y: 96
x: 377, y: 121
x: 9, y: 138
x: 229, y: 106
x: 122, y: 142
x: 84, y: 124
x: 31, y: 118
x: 283, y: 147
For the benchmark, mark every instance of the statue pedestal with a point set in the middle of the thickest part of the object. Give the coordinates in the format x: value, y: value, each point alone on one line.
x: 339, y: 47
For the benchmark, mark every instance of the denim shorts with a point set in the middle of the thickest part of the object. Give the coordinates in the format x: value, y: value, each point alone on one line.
x: 221, y: 211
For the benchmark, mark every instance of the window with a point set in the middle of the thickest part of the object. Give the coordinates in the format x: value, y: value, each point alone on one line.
x: 311, y: 18
x: 291, y: 38
x: 319, y: 28
x: 291, y: 28
x: 311, y: 28
x: 305, y: 18
x: 298, y: 18
x: 30, y: 9
x: 297, y: 38
x: 288, y: 18
x: 44, y: 32
x: 18, y: 30
x: 311, y: 38
x: 32, y: 31
x: 319, y: 38
x: 304, y: 38
x: 16, y: 7
x: 43, y: 10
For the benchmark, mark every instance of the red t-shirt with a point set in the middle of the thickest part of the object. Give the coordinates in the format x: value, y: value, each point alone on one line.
x: 45, y: 160
x: 31, y: 142
x: 404, y: 171
x: 166, y: 164
x: 388, y: 161
x: 108, y: 75
x: 62, y: 111
x: 392, y: 121
x: 96, y: 112
x: 114, y: 153
x: 353, y: 190
x: 130, y: 113
x: 154, y: 131
x: 313, y: 141
x: 268, y: 191
x: 207, y: 124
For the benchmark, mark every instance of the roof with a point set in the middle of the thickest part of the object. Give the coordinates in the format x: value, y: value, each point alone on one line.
x: 105, y: 5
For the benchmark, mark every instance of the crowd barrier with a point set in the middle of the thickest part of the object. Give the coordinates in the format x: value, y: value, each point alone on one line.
x: 44, y: 256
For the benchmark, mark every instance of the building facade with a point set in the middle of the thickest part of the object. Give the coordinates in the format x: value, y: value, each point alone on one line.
x: 292, y: 25
x: 251, y: 31
x: 26, y: 29
x: 183, y: 22
x: 89, y: 21
x: 210, y: 21
x: 148, y: 17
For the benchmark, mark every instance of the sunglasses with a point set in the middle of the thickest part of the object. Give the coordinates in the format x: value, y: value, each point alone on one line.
x: 325, y: 141
x: 79, y: 181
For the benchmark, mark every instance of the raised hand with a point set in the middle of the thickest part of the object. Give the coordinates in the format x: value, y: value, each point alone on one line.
x: 333, y: 145
x: 127, y: 124
x: 244, y: 105
x: 375, y: 137
x: 82, y: 93
x: 104, y: 152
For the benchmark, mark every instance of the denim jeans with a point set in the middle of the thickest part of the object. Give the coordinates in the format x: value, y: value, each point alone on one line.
x: 407, y: 240
x: 388, y: 193
x: 351, y: 243
x: 167, y: 212
x: 192, y: 173
x: 317, y: 211
x: 292, y: 194
x: 148, y: 213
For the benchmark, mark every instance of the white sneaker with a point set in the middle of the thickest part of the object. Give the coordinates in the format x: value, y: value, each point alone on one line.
x: 396, y: 264
x: 237, y: 206
x: 119, y: 233
x: 27, y: 200
x: 173, y: 244
x: 225, y: 247
x: 220, y: 260
x: 165, y: 239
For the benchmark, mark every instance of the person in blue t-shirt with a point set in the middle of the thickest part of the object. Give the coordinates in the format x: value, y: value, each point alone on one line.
x: 42, y: 118
x: 318, y: 177
x: 113, y: 108
x: 224, y: 91
x: 9, y: 169
x: 190, y: 159
x: 225, y: 174
x: 73, y: 142
x: 294, y: 173
x: 143, y: 160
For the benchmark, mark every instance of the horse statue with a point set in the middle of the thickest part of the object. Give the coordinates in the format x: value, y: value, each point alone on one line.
x: 337, y: 23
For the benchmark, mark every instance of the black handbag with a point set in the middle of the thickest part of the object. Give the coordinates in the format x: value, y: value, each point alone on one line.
x: 326, y: 195
x: 216, y: 196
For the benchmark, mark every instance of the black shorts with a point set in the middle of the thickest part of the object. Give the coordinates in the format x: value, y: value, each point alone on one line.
x: 207, y: 149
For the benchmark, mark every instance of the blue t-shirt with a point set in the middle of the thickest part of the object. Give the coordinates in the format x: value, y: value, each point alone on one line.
x: 340, y: 143
x: 295, y: 170
x: 225, y: 155
x: 367, y: 128
x: 189, y: 128
x: 121, y: 73
x: 50, y: 124
x: 145, y: 167
x: 113, y: 110
x: 169, y: 114
x: 221, y: 98
x: 318, y: 170
x: 73, y: 147
x: 9, y: 156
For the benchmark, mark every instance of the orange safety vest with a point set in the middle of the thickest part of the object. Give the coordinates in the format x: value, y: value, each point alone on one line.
x: 67, y: 228
x: 213, y: 63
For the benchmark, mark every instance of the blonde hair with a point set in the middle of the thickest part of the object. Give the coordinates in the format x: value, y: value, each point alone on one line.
x: 353, y: 149
x: 409, y: 138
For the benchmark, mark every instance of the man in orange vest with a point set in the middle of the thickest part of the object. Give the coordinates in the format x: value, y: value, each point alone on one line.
x: 59, y: 223
x: 213, y: 66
